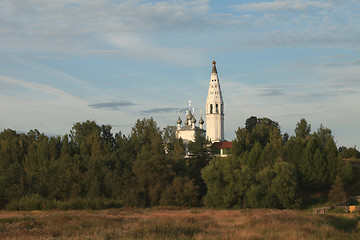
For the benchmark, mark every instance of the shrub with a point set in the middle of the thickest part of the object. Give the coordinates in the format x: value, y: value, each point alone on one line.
x: 31, y: 202
x: 94, y: 204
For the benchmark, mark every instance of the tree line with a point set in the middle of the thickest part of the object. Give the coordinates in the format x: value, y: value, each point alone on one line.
x: 92, y: 167
x: 270, y: 169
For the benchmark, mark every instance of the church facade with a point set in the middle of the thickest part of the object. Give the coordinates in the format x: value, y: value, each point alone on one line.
x: 187, y: 132
x: 214, y: 115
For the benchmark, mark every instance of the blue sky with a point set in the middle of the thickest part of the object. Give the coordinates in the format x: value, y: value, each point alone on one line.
x: 63, y: 62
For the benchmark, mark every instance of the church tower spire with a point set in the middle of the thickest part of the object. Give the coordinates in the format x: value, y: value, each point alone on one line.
x: 214, y: 108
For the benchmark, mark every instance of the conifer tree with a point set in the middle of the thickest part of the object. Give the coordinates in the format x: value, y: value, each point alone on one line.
x: 337, y: 193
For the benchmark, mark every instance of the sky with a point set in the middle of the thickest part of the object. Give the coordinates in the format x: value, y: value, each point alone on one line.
x: 116, y: 61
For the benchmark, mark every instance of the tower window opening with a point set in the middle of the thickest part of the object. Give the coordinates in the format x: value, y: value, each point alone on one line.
x: 211, y: 108
x: 217, y: 108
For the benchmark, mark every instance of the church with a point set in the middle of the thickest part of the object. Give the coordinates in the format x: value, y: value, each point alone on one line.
x: 214, y: 118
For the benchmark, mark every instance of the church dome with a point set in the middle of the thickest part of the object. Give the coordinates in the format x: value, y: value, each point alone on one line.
x: 189, y: 116
x: 193, y: 120
x: 201, y: 121
x: 179, y: 120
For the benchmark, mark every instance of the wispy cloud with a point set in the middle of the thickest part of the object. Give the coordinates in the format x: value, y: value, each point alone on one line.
x: 271, y: 92
x: 314, y: 23
x: 61, y: 26
x: 161, y: 110
x: 160, y: 30
x: 282, y: 5
x: 328, y: 64
x: 112, y: 105
x: 39, y: 87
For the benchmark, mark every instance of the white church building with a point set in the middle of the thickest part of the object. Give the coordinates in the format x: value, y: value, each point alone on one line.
x: 187, y: 132
x: 214, y: 109
x: 214, y: 118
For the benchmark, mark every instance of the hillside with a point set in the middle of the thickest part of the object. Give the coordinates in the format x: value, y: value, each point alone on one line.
x: 170, y: 223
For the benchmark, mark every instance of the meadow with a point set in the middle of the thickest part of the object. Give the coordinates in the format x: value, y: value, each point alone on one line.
x: 177, y: 223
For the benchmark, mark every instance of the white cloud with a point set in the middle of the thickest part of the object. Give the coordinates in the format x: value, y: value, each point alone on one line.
x: 164, y: 29
x: 42, y: 88
x: 298, y: 23
x: 61, y: 22
x: 136, y: 47
x: 282, y: 5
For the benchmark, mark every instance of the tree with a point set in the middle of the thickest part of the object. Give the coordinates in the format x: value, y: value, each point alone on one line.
x: 284, y: 185
x: 349, y: 153
x: 285, y: 138
x: 257, y: 130
x: 260, y: 195
x: 117, y: 172
x: 227, y: 182
x: 146, y: 134
x: 302, y: 129
x: 182, y: 192
x: 252, y: 158
x: 250, y: 123
x: 241, y: 142
x: 337, y: 193
x: 175, y: 150
x: 200, y: 151
x: 13, y: 149
x: 272, y: 152
x: 151, y: 176
x: 151, y: 173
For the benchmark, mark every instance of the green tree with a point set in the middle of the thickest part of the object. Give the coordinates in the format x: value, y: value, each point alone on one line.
x: 251, y: 123
x: 200, y: 151
x: 260, y: 195
x: 257, y: 130
x: 182, y: 192
x: 349, y: 153
x: 227, y: 182
x: 272, y: 152
x: 151, y: 173
x: 284, y: 185
x: 175, y: 149
x: 302, y: 129
x: 13, y: 149
x: 337, y: 193
x: 252, y: 158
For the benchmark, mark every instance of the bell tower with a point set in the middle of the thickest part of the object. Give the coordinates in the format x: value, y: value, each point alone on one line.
x: 214, y: 109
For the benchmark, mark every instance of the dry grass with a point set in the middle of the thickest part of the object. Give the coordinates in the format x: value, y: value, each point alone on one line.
x: 173, y: 223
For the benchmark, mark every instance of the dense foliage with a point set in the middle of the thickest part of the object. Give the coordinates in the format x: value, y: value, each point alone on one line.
x: 268, y: 168
x: 91, y: 163
x: 92, y: 168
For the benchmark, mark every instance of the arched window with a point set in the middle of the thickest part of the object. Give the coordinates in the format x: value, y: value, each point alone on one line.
x: 211, y: 108
x: 217, y: 108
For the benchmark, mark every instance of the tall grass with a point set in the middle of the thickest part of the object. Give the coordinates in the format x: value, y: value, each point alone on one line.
x: 31, y: 202
x: 162, y: 223
x: 36, y: 202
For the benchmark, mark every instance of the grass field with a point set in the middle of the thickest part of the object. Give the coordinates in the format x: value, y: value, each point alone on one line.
x: 174, y: 223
